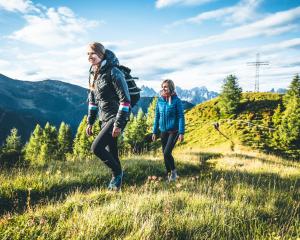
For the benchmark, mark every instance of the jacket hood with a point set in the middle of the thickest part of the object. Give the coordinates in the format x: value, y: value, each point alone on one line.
x: 110, y: 59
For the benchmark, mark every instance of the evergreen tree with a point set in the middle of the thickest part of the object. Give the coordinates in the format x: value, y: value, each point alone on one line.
x: 11, y: 153
x: 289, y: 130
x: 82, y: 143
x: 276, y: 120
x: 135, y: 133
x: 151, y: 115
x: 140, y: 126
x: 293, y: 90
x: 49, y: 147
x: 64, y: 141
x: 230, y: 96
x: 13, y: 142
x: 33, y: 147
x: 126, y: 136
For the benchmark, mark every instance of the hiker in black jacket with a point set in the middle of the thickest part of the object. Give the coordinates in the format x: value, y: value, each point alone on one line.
x: 109, y: 94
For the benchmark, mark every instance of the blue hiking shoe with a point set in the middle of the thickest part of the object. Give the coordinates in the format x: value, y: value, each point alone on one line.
x: 172, y: 176
x: 116, y: 182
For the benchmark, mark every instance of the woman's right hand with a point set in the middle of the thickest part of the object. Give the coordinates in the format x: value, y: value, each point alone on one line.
x: 89, y: 131
x: 153, y: 137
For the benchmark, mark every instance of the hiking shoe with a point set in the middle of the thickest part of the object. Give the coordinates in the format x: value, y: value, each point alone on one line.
x: 116, y: 182
x: 172, y: 176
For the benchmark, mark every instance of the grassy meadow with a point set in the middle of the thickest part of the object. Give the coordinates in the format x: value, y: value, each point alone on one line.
x: 221, y: 194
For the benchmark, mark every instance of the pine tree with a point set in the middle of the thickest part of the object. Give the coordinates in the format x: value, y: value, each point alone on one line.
x: 293, y: 90
x: 127, y: 134
x: 82, y: 143
x: 141, y: 126
x: 33, y: 147
x: 276, y: 120
x: 289, y: 130
x: 151, y: 115
x: 49, y: 147
x: 230, y: 96
x: 135, y: 132
x: 11, y: 153
x: 64, y: 141
x: 13, y: 142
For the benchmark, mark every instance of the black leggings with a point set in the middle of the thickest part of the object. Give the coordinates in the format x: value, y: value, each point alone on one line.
x: 105, y: 147
x: 168, y: 141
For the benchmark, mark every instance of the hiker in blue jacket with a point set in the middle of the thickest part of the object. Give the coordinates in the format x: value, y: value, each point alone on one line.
x: 109, y: 95
x: 169, y: 119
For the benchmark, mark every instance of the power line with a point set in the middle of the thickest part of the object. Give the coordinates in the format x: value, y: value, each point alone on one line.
x: 257, y: 65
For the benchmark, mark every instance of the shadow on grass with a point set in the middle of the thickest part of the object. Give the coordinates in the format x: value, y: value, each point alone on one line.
x: 263, y: 181
x: 286, y: 163
x: 203, y: 157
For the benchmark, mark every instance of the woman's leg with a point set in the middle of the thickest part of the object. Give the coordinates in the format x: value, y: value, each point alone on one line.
x: 168, y: 142
x: 112, y: 147
x: 164, y: 139
x: 99, y: 145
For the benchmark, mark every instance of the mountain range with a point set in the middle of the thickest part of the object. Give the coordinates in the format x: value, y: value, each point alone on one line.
x: 23, y: 104
x: 195, y: 95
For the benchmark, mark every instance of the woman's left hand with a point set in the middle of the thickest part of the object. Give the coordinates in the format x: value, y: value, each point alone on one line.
x: 180, y: 138
x: 116, y: 131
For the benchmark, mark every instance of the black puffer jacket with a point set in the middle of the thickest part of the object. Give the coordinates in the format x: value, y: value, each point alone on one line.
x: 111, y: 95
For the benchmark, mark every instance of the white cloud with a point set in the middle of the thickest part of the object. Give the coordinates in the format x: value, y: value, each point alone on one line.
x: 271, y: 25
x: 203, y: 61
x: 193, y: 63
x: 244, y: 11
x: 70, y: 65
x: 56, y: 27
x: 22, y: 6
x: 169, y: 3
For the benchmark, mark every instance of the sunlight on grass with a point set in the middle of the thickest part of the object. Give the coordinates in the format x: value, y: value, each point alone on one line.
x: 220, y: 195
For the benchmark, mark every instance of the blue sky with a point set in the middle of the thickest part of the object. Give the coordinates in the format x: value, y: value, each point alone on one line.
x: 194, y: 42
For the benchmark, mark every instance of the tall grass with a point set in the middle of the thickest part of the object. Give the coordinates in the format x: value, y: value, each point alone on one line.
x: 219, y: 195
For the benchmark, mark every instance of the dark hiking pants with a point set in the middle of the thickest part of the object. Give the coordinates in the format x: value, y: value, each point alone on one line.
x: 168, y: 141
x: 105, y: 147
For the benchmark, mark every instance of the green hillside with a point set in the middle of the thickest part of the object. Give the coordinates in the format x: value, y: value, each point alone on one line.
x: 250, y: 127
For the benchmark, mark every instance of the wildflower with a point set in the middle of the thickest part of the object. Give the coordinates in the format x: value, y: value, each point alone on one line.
x: 43, y: 221
x: 154, y: 178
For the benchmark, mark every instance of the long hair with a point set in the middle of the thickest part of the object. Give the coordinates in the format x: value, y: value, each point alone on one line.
x: 99, y: 49
x: 171, y: 85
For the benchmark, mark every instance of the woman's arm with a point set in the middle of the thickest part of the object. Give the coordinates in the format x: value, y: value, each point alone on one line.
x: 156, y: 119
x: 180, y: 116
x: 92, y: 108
x: 121, y: 88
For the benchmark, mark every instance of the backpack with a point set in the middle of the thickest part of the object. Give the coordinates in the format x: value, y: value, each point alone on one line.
x: 134, y: 91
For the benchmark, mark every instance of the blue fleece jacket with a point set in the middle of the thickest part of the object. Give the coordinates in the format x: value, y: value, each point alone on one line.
x: 169, y: 117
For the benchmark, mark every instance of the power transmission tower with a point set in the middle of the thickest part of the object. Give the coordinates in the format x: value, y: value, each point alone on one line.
x: 257, y: 64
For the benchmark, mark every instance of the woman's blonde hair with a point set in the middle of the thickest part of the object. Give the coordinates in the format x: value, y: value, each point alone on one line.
x: 99, y: 49
x: 171, y: 85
